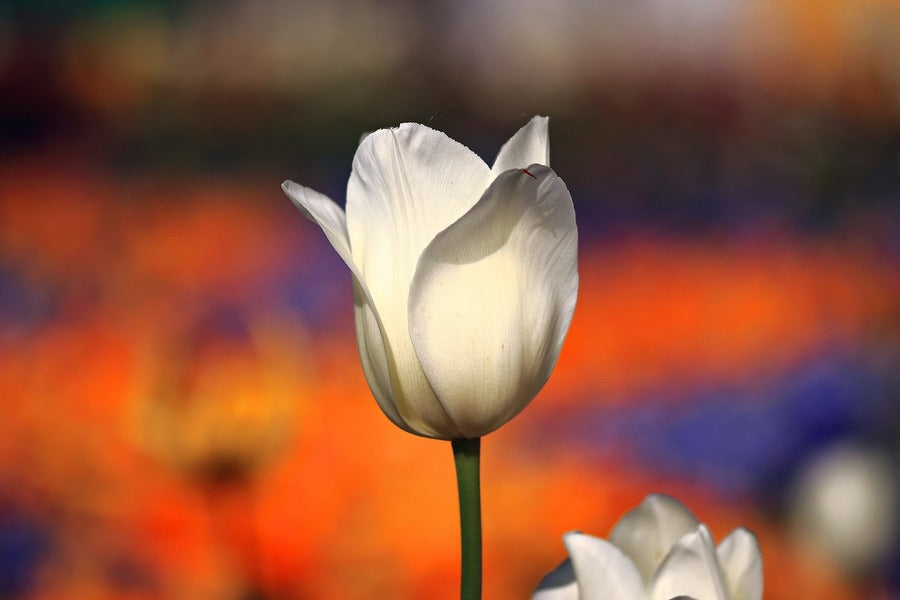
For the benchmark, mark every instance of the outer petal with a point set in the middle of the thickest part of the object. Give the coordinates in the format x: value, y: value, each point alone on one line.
x: 690, y: 569
x: 321, y: 210
x: 493, y: 297
x: 602, y: 571
x: 742, y: 564
x: 558, y: 584
x: 407, y: 184
x: 530, y: 145
x: 647, y: 533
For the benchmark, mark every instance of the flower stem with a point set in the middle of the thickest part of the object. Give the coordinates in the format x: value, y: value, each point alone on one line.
x: 466, y: 454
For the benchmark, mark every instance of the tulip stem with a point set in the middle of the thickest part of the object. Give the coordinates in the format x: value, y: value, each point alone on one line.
x: 467, y: 454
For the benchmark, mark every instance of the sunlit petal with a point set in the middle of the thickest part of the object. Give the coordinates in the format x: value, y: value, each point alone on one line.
x: 493, y: 297
x: 407, y: 184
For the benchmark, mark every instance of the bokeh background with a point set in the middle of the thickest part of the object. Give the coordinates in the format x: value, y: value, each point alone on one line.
x: 183, y: 412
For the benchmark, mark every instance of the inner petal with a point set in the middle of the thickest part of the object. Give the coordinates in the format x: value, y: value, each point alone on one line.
x: 407, y: 184
x: 647, y: 533
x: 690, y: 569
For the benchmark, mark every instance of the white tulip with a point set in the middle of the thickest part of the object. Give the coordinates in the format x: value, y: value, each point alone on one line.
x: 657, y: 551
x: 465, y: 275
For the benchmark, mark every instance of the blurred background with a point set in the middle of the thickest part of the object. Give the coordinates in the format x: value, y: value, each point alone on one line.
x: 183, y: 411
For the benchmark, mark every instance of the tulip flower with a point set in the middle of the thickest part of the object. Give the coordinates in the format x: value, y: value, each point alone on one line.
x: 657, y: 551
x: 464, y: 275
x: 465, y: 278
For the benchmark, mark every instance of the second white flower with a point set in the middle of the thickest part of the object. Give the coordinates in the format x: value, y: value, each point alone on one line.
x: 657, y: 551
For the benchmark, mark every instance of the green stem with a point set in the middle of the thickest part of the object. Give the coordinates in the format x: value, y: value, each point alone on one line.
x: 466, y: 454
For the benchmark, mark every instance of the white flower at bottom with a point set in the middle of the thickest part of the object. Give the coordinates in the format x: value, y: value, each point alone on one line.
x: 657, y: 551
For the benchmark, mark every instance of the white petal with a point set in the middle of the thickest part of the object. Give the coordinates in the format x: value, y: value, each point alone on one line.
x: 690, y: 569
x: 742, y: 565
x: 530, y: 145
x: 602, y: 571
x: 647, y: 533
x: 321, y: 210
x: 493, y: 297
x: 558, y: 584
x: 407, y: 184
